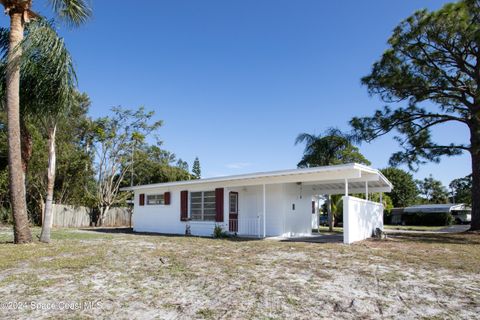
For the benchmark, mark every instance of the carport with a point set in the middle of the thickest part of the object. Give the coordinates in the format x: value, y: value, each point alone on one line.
x: 360, y: 216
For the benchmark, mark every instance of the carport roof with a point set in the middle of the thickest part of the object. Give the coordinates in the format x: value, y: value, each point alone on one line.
x: 326, y: 180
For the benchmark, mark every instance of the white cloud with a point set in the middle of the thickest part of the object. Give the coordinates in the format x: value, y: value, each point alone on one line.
x: 238, y: 165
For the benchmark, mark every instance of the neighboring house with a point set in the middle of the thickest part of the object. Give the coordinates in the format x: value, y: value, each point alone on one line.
x: 269, y: 204
x: 460, y: 212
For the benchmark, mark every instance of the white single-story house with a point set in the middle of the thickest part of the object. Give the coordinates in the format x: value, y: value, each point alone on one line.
x: 267, y: 204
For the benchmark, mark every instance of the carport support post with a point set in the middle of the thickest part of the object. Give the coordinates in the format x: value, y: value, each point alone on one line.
x: 264, y: 213
x: 346, y: 187
x: 366, y: 190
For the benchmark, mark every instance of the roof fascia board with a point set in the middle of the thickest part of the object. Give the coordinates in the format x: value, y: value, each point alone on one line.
x: 251, y: 180
x: 352, y: 190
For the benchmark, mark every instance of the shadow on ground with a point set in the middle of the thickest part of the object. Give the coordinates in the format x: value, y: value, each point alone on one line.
x: 110, y: 230
x: 155, y: 234
x: 317, y: 238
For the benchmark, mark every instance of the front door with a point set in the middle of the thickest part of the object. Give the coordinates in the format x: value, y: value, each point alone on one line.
x: 233, y: 212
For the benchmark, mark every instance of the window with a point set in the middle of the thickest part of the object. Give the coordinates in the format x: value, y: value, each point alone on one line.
x: 233, y: 202
x: 202, y: 206
x: 154, y: 199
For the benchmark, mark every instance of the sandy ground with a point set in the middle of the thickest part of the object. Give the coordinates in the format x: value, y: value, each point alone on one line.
x: 87, y: 274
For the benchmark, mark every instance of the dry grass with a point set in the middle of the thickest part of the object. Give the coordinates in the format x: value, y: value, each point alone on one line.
x: 147, y: 276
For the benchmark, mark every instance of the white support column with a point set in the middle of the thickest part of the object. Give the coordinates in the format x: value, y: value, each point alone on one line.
x: 366, y: 190
x: 264, y: 213
x: 346, y: 187
x: 381, y: 198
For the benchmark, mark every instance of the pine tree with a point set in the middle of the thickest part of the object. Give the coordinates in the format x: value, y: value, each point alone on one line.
x: 433, y: 60
x: 197, y: 172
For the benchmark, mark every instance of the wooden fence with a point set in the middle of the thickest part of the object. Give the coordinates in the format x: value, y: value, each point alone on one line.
x: 77, y: 217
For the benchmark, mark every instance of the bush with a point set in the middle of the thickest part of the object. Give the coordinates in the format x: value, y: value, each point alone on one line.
x: 218, y: 232
x: 5, y: 216
x: 428, y: 219
x: 387, y: 217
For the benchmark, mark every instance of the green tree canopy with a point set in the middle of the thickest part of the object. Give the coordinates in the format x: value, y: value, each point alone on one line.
x: 74, y: 161
x: 405, y: 190
x: 462, y: 190
x: 114, y: 140
x: 432, y: 190
x: 333, y: 147
x: 182, y: 164
x: 432, y: 57
x: 154, y: 165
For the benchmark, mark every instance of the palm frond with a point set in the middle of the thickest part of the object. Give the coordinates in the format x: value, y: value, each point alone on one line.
x: 4, y: 41
x: 309, y: 140
x: 45, y: 53
x: 72, y: 12
x: 331, y: 147
x: 48, y: 80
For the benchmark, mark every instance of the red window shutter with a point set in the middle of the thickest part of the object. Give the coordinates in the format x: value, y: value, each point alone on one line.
x: 166, y: 198
x: 313, y: 206
x: 219, y: 204
x: 141, y: 199
x: 184, y: 205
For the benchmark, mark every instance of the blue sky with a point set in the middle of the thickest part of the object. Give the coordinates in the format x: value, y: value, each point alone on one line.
x: 236, y: 81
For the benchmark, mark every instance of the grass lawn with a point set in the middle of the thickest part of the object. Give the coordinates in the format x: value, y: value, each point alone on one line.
x: 430, y: 276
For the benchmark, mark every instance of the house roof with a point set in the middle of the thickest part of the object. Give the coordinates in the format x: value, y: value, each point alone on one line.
x: 448, y: 207
x: 324, y: 179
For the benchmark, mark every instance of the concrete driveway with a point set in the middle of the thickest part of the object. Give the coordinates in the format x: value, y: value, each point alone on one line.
x: 456, y: 228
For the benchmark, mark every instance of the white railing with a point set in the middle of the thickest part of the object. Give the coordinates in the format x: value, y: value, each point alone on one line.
x: 245, y: 226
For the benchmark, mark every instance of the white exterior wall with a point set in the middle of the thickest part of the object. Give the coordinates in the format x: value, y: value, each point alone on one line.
x: 298, y: 221
x: 360, y: 219
x: 158, y: 218
x: 315, y: 221
x: 281, y: 220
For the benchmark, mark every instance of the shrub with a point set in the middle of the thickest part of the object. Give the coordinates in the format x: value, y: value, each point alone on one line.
x: 5, y: 216
x: 428, y: 219
x: 218, y: 232
x: 387, y: 217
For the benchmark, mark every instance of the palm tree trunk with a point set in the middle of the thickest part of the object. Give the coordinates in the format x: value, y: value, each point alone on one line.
x: 21, y: 230
x: 26, y: 145
x: 52, y: 159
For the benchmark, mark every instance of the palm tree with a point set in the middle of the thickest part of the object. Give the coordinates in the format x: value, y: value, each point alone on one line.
x: 74, y: 13
x: 333, y: 147
x: 47, y: 90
